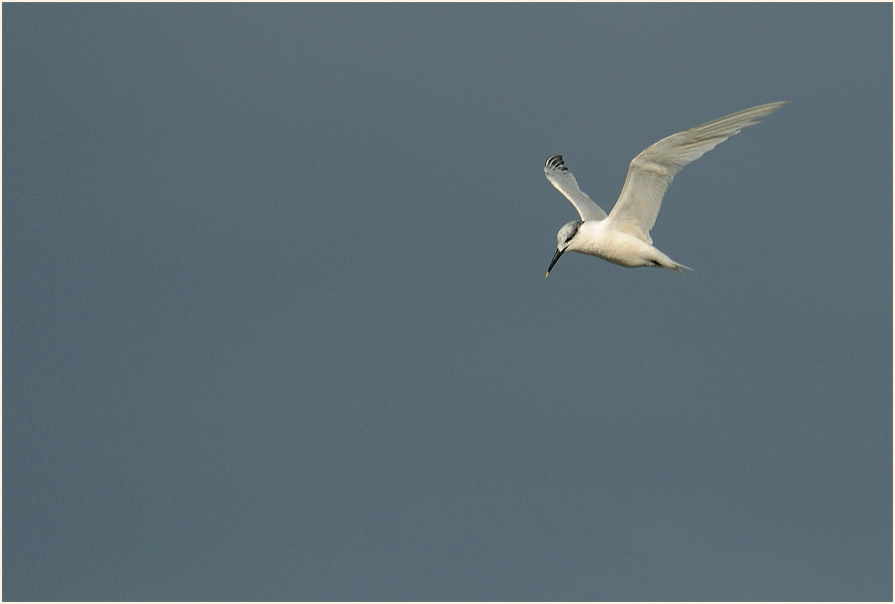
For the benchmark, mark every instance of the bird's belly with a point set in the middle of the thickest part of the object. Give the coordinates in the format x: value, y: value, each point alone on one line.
x: 619, y: 248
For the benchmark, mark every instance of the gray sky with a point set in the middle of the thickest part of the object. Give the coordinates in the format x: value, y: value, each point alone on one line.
x: 276, y: 324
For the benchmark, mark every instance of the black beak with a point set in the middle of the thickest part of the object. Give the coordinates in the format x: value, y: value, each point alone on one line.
x: 552, y: 262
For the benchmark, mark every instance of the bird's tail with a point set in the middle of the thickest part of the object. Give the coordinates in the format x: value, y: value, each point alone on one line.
x: 664, y: 261
x: 684, y: 270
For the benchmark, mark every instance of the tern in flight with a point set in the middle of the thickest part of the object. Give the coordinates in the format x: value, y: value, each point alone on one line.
x: 623, y: 237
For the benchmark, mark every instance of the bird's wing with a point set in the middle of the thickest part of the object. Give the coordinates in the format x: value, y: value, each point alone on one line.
x: 560, y: 177
x: 653, y: 169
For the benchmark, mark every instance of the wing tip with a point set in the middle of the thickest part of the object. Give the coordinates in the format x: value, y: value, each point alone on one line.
x: 768, y: 108
x: 555, y: 162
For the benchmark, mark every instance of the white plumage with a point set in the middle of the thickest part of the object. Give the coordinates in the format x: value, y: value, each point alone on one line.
x: 623, y: 236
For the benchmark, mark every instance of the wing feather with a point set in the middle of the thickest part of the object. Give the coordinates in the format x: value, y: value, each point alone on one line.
x: 650, y: 173
x: 564, y: 182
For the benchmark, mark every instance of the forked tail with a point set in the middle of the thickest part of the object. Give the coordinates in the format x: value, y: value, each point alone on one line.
x: 660, y: 259
x: 684, y: 270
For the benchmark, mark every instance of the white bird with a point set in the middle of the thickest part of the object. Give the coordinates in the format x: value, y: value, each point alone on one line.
x: 623, y: 237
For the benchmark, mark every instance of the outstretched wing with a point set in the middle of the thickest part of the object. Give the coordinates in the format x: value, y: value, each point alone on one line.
x: 560, y: 177
x: 653, y: 169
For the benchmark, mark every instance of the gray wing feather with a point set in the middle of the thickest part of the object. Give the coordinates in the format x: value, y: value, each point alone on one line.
x: 650, y: 173
x: 560, y: 177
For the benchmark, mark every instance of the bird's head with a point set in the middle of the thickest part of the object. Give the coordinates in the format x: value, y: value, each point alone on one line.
x: 563, y: 240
